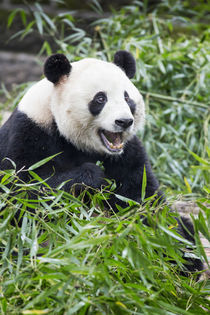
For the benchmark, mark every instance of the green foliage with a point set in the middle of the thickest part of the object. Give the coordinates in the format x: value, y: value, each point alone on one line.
x: 59, y: 255
x: 13, y: 97
x: 171, y: 47
x: 64, y: 257
x: 173, y: 74
x: 203, y: 169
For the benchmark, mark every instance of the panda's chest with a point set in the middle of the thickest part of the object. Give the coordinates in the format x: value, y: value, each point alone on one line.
x: 71, y: 157
x: 114, y: 169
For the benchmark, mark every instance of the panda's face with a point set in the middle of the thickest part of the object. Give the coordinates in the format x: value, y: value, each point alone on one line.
x: 97, y: 107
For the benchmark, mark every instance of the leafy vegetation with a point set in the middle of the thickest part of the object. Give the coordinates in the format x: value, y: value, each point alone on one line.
x: 60, y: 255
x: 70, y: 258
x: 173, y: 73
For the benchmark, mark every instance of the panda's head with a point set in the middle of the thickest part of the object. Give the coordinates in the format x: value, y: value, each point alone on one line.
x: 94, y: 103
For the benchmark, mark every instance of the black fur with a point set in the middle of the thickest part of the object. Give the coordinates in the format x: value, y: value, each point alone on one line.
x: 26, y: 143
x: 126, y: 62
x: 55, y: 67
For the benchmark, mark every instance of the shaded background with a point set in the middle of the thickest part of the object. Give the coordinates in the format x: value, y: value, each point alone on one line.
x: 17, y: 57
x: 18, y: 63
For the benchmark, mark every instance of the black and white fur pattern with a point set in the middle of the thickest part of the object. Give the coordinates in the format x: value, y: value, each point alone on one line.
x: 71, y: 104
x: 89, y: 111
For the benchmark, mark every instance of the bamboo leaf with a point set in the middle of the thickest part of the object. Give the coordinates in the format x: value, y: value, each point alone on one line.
x: 144, y: 184
x: 42, y: 162
x: 39, y: 22
x: 49, y: 21
x: 199, y: 159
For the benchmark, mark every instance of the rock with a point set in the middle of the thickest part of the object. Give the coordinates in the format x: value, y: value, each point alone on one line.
x: 17, y: 68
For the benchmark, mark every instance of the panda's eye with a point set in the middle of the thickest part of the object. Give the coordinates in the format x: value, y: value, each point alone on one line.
x: 126, y: 96
x: 130, y: 102
x: 97, y: 103
x: 100, y: 98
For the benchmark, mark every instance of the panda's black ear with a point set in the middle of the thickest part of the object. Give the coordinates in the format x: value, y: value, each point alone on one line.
x: 55, y: 67
x: 126, y: 62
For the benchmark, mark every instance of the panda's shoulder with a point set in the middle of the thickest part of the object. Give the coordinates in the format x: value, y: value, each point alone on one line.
x: 20, y: 131
x: 36, y: 102
x: 13, y: 123
x: 19, y: 121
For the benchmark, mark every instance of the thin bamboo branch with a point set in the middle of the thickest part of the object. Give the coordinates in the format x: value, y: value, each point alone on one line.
x: 174, y: 99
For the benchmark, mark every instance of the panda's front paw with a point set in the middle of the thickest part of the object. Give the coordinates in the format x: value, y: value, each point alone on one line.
x: 92, y: 175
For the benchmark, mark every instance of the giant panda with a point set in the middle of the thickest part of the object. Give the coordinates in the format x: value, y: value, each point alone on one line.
x: 87, y: 111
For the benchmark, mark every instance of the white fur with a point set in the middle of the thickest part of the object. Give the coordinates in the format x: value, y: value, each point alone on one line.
x: 68, y: 102
x: 36, y: 103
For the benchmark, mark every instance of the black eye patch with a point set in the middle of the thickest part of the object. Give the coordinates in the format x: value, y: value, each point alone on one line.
x: 97, y: 103
x: 130, y: 102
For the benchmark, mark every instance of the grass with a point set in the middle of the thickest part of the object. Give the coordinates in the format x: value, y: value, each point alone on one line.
x: 64, y: 256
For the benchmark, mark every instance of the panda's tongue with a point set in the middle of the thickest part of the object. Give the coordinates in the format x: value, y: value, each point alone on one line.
x: 112, y: 140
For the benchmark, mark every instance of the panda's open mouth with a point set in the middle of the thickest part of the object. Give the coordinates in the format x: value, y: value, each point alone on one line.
x: 112, y: 140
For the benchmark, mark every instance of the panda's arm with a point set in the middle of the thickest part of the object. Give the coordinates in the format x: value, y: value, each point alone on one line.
x: 88, y: 174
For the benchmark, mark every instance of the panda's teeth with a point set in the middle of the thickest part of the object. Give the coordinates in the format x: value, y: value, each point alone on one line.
x: 119, y: 146
x: 112, y: 141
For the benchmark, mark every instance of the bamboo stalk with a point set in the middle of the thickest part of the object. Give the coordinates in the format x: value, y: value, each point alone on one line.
x: 174, y: 99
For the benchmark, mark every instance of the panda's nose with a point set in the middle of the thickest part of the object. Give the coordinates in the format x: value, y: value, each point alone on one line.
x: 124, y: 123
